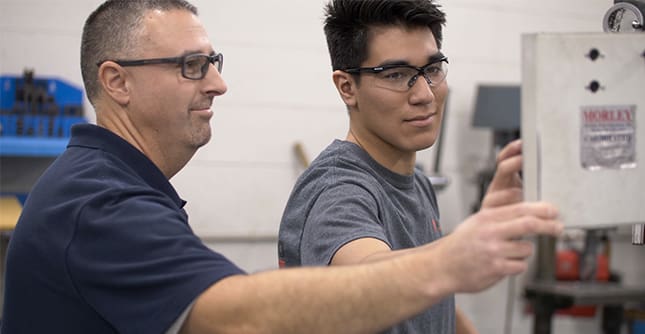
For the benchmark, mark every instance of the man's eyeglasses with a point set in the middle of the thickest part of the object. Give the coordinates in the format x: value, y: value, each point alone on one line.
x: 401, y: 77
x: 193, y: 67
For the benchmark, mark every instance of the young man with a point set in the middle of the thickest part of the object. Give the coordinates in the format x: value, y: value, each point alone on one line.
x: 362, y: 200
x: 104, y: 246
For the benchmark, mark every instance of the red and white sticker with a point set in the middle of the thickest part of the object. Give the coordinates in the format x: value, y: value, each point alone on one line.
x: 608, y: 137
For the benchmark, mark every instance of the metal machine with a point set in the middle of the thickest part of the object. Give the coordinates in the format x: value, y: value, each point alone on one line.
x: 584, y: 148
x: 628, y: 16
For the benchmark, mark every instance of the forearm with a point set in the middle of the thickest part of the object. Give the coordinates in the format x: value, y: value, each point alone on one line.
x: 345, y: 299
x: 369, y: 250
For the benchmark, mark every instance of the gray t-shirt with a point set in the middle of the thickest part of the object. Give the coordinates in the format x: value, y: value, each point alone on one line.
x: 346, y: 195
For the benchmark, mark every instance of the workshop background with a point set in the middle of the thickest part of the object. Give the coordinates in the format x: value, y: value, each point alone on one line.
x: 281, y: 96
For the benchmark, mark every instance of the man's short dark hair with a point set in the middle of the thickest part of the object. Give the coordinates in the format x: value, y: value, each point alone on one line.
x: 348, y: 23
x: 113, y: 30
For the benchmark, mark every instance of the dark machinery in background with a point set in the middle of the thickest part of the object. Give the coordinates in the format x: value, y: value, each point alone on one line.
x: 497, y: 107
x: 38, y: 107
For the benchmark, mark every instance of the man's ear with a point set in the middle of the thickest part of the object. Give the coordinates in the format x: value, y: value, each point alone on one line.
x: 113, y: 79
x: 346, y: 86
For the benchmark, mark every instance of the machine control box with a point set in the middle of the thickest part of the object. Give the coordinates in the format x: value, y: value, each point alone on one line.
x: 583, y: 126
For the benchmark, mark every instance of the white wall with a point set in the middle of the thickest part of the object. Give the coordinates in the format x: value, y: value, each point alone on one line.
x: 280, y: 92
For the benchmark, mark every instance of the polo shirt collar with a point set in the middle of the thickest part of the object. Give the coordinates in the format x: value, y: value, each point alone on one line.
x: 96, y: 137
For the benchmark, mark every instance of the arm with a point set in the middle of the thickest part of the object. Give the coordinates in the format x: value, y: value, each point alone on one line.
x: 505, y: 189
x: 349, y: 299
x: 370, y: 297
x: 371, y: 250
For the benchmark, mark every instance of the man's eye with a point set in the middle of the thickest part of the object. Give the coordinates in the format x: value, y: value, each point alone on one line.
x: 193, y: 63
x: 394, y: 75
x: 433, y: 70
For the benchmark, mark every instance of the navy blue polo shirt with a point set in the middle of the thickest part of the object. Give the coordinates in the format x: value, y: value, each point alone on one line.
x: 103, y: 245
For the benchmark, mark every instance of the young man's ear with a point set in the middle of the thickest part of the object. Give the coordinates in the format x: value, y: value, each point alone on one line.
x: 113, y: 79
x: 346, y: 86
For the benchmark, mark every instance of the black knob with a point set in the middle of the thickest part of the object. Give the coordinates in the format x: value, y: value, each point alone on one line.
x: 593, y: 54
x: 594, y: 86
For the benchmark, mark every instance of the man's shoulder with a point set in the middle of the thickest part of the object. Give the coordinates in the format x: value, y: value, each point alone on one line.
x: 341, y: 161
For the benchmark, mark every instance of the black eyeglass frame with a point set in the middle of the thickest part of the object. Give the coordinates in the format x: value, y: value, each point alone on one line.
x: 420, y: 70
x: 212, y: 59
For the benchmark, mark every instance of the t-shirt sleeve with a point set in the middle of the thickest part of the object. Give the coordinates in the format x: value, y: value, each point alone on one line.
x: 342, y: 213
x: 135, y: 260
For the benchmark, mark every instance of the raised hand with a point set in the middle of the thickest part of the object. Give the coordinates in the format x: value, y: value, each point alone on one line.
x: 493, y: 244
x: 506, y: 186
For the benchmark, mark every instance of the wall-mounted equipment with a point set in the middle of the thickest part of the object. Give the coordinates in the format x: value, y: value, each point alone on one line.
x: 584, y: 139
x: 625, y: 16
x: 36, y: 114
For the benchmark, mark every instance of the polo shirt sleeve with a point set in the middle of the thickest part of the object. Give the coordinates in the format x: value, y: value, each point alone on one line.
x: 135, y: 260
x: 342, y: 213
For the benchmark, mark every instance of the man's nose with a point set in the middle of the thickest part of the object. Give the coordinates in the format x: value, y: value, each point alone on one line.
x: 425, y: 91
x: 214, y: 83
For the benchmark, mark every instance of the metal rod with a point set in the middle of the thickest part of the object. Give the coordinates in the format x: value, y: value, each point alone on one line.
x: 545, y: 259
x: 638, y: 234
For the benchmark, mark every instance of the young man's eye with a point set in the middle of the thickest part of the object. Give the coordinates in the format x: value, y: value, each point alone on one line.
x: 433, y: 70
x: 394, y: 74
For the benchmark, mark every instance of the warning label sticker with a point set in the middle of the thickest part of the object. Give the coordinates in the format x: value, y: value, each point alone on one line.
x: 608, y: 137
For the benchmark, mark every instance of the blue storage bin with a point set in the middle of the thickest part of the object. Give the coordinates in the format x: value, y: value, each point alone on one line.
x: 638, y: 327
x: 59, y: 106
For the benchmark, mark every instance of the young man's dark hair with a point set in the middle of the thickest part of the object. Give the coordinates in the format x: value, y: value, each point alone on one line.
x: 348, y: 24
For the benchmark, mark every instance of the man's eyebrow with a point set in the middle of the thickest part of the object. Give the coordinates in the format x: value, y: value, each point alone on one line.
x: 393, y: 62
x: 396, y: 62
x: 435, y: 57
x: 193, y: 52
